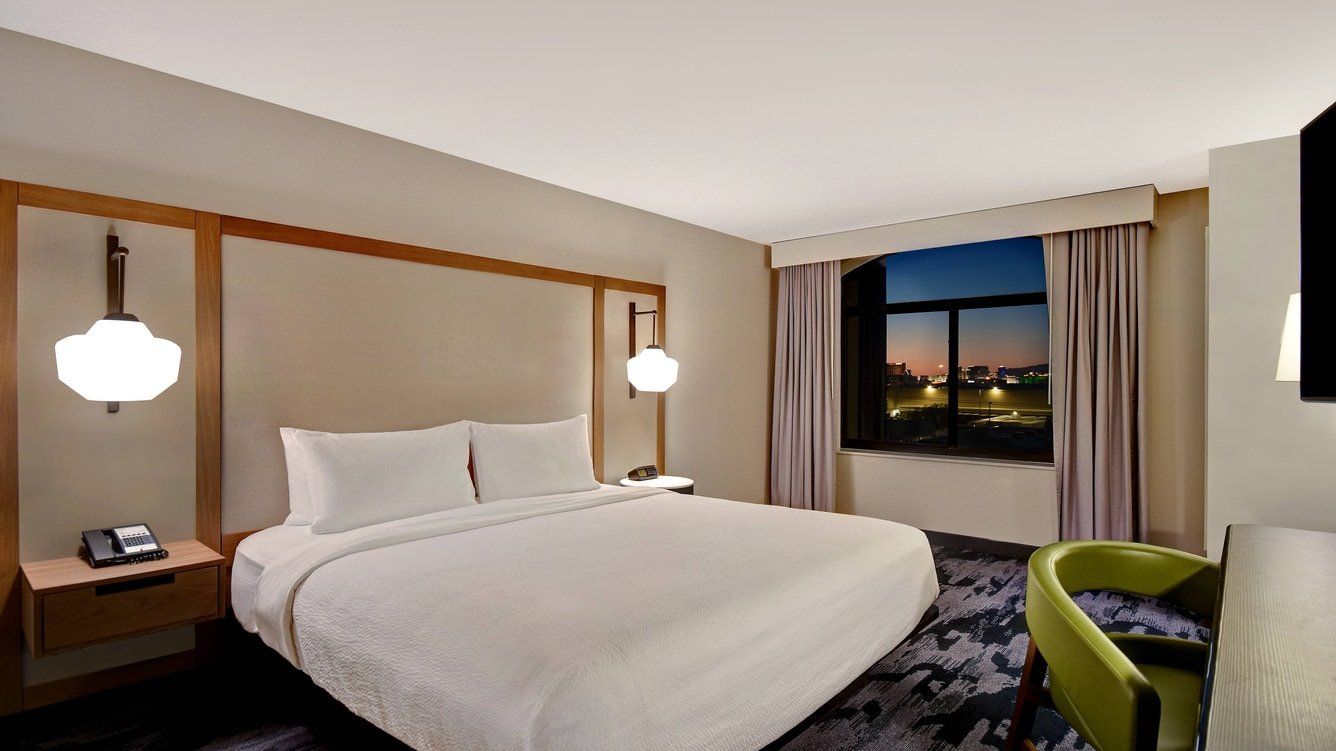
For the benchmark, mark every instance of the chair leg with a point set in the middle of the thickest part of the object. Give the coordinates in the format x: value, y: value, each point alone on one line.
x: 1030, y: 696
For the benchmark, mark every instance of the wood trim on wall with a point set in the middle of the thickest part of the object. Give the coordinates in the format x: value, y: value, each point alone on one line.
x: 209, y: 380
x: 596, y: 408
x: 314, y: 238
x: 78, y: 202
x: 208, y: 418
x: 770, y: 381
x: 661, y: 322
x: 11, y: 640
x: 230, y: 542
x: 639, y: 288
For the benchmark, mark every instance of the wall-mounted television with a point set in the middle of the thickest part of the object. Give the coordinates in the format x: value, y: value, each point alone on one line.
x: 1317, y: 266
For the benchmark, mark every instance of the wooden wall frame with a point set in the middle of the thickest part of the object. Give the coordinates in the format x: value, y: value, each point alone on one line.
x: 209, y: 380
x: 11, y: 638
x: 209, y: 229
x: 323, y: 240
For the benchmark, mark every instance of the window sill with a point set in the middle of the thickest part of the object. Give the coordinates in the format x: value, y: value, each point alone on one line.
x: 921, y: 457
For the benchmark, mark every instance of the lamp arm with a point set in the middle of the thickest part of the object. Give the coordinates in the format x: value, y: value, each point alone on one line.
x: 654, y: 331
x: 116, y: 257
x: 653, y: 338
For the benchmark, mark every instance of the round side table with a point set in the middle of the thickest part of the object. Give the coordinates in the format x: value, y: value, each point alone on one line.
x: 683, y: 485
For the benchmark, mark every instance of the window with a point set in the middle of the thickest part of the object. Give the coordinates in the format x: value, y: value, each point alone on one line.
x: 945, y: 351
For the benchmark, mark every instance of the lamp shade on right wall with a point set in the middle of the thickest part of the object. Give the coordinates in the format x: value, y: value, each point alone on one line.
x: 1287, y: 367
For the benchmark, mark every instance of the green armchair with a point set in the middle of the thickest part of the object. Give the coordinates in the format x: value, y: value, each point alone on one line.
x: 1121, y: 692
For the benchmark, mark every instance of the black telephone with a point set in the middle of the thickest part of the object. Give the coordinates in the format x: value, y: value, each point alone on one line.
x: 647, y: 472
x: 133, y: 543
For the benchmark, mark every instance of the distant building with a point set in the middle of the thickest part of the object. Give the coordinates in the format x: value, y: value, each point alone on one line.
x: 895, y: 369
x: 978, y: 372
x: 1001, y: 372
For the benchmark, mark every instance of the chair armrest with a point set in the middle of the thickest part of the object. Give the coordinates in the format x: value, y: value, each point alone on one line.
x: 1145, y: 649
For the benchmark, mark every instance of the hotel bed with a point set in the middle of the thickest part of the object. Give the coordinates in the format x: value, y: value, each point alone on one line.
x: 614, y: 618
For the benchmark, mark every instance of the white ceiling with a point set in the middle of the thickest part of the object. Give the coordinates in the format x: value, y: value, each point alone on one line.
x: 765, y: 119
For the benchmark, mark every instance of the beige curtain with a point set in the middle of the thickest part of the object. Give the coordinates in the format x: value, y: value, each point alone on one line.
x: 802, y: 467
x: 1097, y: 300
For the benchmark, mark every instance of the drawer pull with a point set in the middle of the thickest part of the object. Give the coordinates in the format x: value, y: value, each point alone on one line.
x: 133, y: 584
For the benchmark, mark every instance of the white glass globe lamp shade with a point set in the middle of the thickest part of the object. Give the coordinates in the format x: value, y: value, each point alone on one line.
x: 652, y: 370
x: 118, y: 360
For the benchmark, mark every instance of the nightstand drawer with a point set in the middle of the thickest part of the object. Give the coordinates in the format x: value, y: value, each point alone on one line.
x: 102, y: 612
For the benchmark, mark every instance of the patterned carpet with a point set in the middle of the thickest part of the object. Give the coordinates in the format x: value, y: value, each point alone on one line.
x: 953, y: 686
x: 950, y: 687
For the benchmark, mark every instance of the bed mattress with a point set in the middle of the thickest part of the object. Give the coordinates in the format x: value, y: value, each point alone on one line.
x: 253, y: 554
x: 611, y: 619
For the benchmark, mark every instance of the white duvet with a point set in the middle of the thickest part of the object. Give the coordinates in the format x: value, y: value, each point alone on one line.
x: 608, y: 619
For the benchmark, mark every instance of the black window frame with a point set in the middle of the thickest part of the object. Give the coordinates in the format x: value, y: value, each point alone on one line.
x: 951, y: 306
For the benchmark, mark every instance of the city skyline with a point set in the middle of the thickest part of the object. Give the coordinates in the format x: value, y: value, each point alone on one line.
x: 997, y: 337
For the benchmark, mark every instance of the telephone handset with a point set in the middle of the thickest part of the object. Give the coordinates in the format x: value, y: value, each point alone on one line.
x: 647, y: 472
x: 133, y: 543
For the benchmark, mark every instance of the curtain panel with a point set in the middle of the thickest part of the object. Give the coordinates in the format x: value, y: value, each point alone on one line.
x: 802, y: 467
x: 1097, y: 301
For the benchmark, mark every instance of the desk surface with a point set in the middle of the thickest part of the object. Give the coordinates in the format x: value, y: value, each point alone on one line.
x: 1272, y: 681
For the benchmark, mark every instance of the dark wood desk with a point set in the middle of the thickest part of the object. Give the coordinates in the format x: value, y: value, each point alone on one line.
x: 1271, y: 683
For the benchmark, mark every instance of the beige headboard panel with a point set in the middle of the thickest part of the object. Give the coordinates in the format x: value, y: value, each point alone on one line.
x: 337, y: 341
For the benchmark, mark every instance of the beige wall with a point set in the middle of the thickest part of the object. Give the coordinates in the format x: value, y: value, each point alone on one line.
x: 76, y: 120
x: 1271, y: 458
x: 1175, y: 395
x: 999, y: 501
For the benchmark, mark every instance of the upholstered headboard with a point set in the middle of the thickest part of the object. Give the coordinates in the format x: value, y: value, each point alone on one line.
x: 348, y: 342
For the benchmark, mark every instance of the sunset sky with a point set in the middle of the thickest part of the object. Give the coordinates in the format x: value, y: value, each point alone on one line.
x: 1011, y: 337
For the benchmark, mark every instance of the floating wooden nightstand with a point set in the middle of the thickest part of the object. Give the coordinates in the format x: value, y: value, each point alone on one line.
x: 67, y: 604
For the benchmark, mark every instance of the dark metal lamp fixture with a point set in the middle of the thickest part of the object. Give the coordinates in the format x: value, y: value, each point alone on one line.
x: 652, y: 370
x: 119, y: 359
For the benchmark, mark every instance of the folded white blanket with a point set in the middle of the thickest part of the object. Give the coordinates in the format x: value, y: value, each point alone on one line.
x: 612, y: 619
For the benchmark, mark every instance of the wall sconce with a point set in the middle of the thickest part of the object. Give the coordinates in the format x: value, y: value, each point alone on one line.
x: 118, y: 360
x: 651, y: 370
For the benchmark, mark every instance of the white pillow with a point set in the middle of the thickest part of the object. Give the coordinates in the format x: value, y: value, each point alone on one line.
x: 520, y: 461
x: 351, y: 480
x: 299, y: 500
